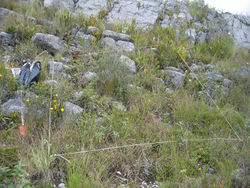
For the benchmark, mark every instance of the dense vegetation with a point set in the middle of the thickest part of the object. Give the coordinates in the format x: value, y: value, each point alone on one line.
x: 152, y: 115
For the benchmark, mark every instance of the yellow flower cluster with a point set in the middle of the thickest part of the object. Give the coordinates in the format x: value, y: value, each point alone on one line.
x: 56, y: 104
x: 184, y: 170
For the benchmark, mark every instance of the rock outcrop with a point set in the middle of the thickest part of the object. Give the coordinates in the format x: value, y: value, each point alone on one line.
x: 171, y: 13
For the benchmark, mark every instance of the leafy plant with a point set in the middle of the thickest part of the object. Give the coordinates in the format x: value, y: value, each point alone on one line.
x: 113, y: 75
x: 222, y: 47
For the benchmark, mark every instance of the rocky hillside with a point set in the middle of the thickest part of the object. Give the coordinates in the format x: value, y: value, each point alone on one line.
x: 105, y: 93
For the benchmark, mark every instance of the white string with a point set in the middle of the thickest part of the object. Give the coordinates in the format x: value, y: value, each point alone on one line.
x: 211, y: 98
x: 50, y: 111
x: 146, y: 144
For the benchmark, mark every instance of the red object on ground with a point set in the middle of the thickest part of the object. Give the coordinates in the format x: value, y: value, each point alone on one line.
x: 23, y: 130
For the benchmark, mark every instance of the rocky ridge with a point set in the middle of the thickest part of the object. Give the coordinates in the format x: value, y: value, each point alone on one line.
x: 167, y: 13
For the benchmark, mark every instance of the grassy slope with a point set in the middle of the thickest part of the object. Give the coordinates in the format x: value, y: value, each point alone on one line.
x: 146, y: 118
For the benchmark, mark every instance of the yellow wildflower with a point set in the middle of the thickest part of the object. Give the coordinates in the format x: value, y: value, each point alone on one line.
x: 55, y: 106
x: 56, y: 95
x: 62, y: 109
x: 199, y: 169
x: 149, y: 100
x: 54, y: 101
x: 1, y: 75
x: 27, y: 100
x: 7, y: 68
x: 127, y: 119
x: 184, y: 170
x: 102, y: 115
x: 51, y: 108
x: 247, y: 63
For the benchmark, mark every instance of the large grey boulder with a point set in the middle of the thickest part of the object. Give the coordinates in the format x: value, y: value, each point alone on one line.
x: 129, y: 63
x: 51, y: 43
x: 145, y: 12
x: 13, y: 105
x: 175, y: 79
x: 72, y: 109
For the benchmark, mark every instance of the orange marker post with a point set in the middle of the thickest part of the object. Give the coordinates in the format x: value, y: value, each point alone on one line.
x: 23, y: 128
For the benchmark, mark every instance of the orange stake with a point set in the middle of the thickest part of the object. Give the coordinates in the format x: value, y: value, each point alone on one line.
x: 23, y: 128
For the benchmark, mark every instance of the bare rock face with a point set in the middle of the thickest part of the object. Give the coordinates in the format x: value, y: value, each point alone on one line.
x: 51, y: 43
x: 239, y: 28
x: 145, y: 12
x: 88, y: 7
x: 171, y: 13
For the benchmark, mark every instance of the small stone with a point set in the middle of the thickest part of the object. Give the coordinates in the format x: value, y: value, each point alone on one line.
x: 209, y: 67
x: 56, y: 67
x: 194, y: 68
x: 169, y: 91
x: 93, y: 31
x: 175, y: 69
x: 118, y: 173
x: 89, y: 76
x: 227, y: 83
x: 78, y: 95
x: 44, y: 22
x: 116, y: 36
x: 118, y: 105
x: 51, y: 82
x: 160, y: 80
x: 61, y: 185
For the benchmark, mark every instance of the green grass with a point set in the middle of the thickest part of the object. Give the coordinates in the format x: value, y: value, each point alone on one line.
x: 150, y: 116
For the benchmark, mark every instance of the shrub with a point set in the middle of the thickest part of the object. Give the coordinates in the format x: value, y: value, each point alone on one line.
x: 113, y: 76
x: 199, y: 10
x: 221, y: 47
